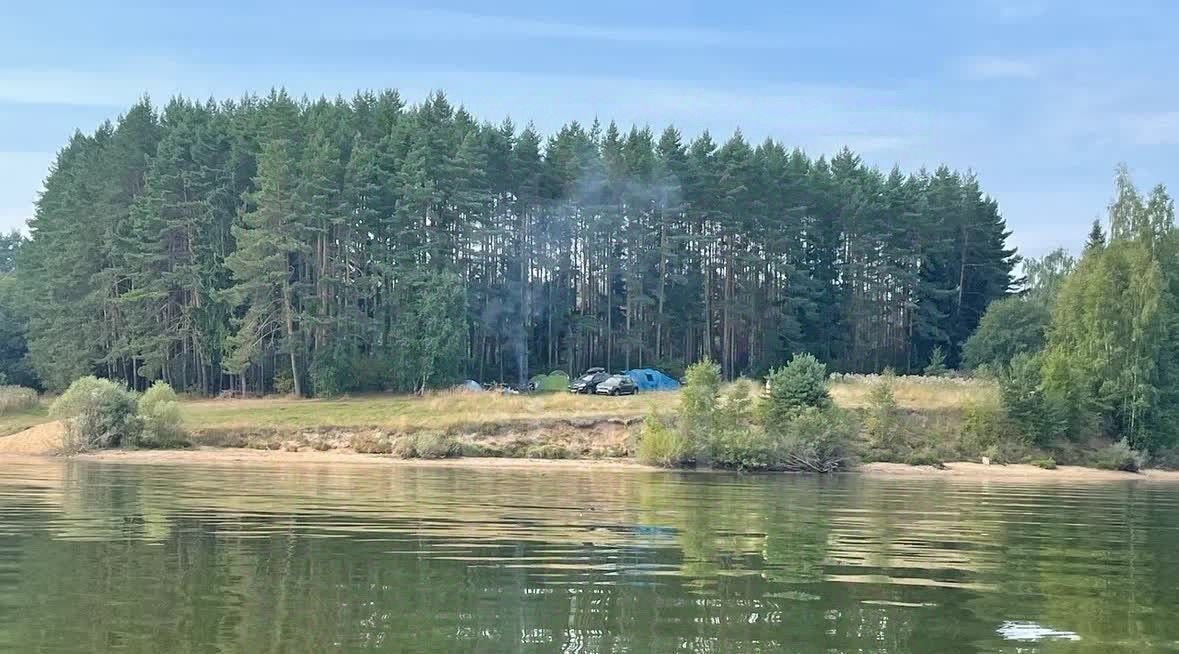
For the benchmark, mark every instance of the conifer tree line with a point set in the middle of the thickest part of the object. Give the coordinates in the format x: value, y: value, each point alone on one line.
x: 331, y: 246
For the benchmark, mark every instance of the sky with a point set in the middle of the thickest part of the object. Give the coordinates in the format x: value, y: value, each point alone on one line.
x: 1040, y: 98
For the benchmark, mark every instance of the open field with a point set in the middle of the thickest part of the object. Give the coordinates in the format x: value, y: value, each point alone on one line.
x: 407, y: 413
x: 450, y: 411
x: 13, y: 422
x: 915, y: 393
x: 546, y: 425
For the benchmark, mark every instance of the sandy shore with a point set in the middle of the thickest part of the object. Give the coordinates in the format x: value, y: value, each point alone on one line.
x: 235, y: 456
x: 954, y: 471
x: 45, y: 440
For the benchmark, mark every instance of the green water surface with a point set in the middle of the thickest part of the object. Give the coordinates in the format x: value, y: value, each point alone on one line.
x: 104, y: 557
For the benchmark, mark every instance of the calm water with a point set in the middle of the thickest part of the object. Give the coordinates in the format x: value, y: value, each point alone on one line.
x: 99, y: 557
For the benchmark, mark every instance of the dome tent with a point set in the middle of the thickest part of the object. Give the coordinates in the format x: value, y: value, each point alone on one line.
x: 649, y: 379
x: 556, y: 380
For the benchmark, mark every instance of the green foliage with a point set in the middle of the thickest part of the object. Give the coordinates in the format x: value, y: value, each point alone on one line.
x: 1036, y: 413
x: 1010, y: 326
x: 284, y: 383
x: 1119, y: 456
x: 15, y: 399
x: 371, y: 443
x: 882, y: 424
x: 1109, y: 340
x: 815, y: 440
x: 800, y: 384
x: 159, y: 414
x: 99, y: 414
x: 426, y: 445
x: 937, y: 363
x: 14, y: 362
x: 665, y: 444
x: 362, y: 244
x: 1045, y: 276
x: 1048, y: 463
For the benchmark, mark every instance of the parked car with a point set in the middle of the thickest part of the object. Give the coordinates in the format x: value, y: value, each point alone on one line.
x: 617, y: 385
x: 588, y: 382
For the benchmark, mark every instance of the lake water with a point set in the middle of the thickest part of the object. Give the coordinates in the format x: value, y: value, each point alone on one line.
x: 103, y: 557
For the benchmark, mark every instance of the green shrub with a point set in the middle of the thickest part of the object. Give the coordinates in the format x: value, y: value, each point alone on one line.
x: 815, y: 440
x: 1119, y: 456
x: 882, y: 424
x: 1031, y: 411
x: 549, y: 451
x: 370, y: 443
x: 99, y: 414
x: 480, y: 450
x: 14, y: 399
x: 937, y: 363
x: 799, y: 384
x: 698, y: 399
x: 924, y: 457
x: 284, y: 382
x: 743, y: 448
x: 426, y: 445
x: 161, y: 422
x: 1047, y: 463
x: 664, y: 445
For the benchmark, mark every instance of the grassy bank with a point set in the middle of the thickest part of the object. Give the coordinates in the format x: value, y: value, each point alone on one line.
x: 933, y: 420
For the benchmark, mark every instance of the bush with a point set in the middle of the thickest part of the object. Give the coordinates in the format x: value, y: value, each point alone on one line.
x: 663, y: 445
x: 1029, y: 408
x: 799, y: 384
x: 937, y: 363
x: 284, y: 382
x: 98, y: 413
x: 1119, y: 456
x: 815, y: 440
x: 1047, y: 464
x: 16, y: 398
x: 748, y: 448
x: 549, y: 451
x: 426, y: 445
x: 161, y: 422
x: 369, y: 443
x: 881, y: 423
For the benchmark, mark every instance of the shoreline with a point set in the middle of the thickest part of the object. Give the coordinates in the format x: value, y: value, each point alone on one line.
x: 958, y: 471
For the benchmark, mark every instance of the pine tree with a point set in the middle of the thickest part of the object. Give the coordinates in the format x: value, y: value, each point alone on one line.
x: 1096, y: 238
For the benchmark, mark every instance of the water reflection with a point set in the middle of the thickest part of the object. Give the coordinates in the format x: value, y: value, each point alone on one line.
x: 319, y: 558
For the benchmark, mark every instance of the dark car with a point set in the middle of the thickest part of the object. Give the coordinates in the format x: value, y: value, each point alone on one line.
x: 588, y: 382
x: 617, y: 385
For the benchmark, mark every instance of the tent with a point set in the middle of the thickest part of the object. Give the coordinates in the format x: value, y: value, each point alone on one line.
x: 470, y: 386
x: 556, y: 380
x: 652, y: 380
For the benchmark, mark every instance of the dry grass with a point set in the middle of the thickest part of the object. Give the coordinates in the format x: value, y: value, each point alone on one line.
x: 17, y: 399
x: 11, y: 423
x: 916, y: 393
x: 398, y: 413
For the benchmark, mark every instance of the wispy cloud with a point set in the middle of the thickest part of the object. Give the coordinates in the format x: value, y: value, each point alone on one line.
x: 453, y: 24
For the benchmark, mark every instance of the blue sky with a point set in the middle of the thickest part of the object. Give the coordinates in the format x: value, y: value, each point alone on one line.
x: 1041, y: 98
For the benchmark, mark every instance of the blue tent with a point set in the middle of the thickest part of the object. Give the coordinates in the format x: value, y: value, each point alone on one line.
x: 652, y: 380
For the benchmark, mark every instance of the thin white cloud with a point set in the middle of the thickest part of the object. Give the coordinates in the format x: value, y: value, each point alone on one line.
x: 452, y: 25
x: 997, y: 67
